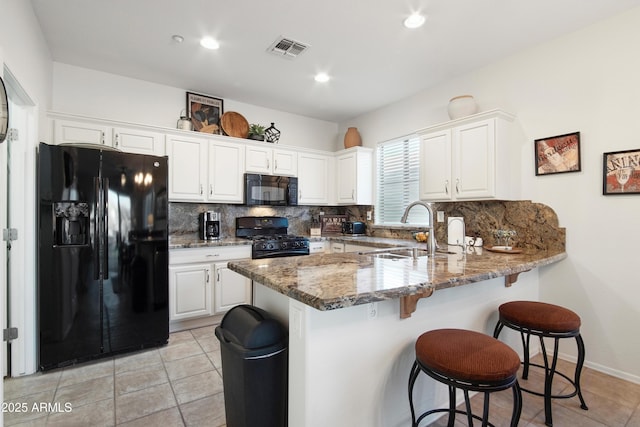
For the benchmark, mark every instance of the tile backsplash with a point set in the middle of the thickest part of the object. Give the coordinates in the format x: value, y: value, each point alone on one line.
x: 536, y: 224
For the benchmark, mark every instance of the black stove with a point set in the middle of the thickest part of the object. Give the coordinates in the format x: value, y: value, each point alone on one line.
x: 270, y: 238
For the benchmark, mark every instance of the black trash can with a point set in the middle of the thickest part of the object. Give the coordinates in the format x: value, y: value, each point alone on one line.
x: 254, y: 368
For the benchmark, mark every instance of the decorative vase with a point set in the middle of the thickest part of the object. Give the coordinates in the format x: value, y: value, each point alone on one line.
x: 352, y: 138
x: 462, y: 106
x: 272, y: 134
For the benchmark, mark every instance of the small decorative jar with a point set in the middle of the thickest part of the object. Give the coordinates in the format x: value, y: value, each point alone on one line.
x: 184, y: 123
x: 462, y: 106
x: 352, y: 138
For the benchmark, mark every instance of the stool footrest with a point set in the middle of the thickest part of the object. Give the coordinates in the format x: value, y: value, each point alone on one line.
x: 458, y: 411
x: 553, y: 396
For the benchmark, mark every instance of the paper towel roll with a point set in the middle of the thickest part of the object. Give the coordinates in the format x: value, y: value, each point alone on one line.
x: 455, y: 231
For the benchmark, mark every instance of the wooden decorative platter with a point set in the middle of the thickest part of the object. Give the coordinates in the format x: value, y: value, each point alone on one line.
x: 503, y: 249
x: 234, y: 124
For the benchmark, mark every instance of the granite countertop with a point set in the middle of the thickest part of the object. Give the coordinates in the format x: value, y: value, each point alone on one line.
x: 181, y: 241
x: 333, y: 281
x: 193, y: 240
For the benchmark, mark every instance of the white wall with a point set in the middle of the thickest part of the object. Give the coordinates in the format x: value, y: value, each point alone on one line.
x: 587, y: 82
x: 26, y: 54
x: 109, y: 96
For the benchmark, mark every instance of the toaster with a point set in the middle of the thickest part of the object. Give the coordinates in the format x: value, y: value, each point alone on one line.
x: 353, y: 228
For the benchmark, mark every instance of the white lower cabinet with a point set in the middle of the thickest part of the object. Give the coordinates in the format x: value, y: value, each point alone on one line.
x: 201, y: 284
x: 317, y: 247
x: 231, y: 288
x: 190, y: 291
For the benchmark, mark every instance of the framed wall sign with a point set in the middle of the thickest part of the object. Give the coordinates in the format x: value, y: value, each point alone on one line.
x: 558, y: 154
x: 621, y: 170
x: 205, y: 112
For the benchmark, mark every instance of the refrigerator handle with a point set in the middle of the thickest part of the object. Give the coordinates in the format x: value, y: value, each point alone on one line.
x: 105, y: 228
x: 96, y: 227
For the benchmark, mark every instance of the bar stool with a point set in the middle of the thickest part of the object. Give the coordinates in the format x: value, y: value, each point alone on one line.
x: 470, y: 361
x: 545, y: 321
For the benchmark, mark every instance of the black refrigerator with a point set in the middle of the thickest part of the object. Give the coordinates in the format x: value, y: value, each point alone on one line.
x: 102, y: 253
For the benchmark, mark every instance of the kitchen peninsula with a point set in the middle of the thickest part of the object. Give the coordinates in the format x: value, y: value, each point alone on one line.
x: 351, y: 347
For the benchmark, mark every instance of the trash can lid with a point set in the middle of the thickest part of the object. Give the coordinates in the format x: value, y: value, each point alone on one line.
x: 252, y: 328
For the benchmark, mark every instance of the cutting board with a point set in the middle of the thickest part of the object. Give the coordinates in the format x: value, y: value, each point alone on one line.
x: 234, y: 124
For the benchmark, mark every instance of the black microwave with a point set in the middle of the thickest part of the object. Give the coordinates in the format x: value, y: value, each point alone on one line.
x: 270, y: 190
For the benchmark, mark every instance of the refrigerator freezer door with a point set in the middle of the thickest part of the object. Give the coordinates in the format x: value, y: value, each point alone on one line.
x: 68, y: 293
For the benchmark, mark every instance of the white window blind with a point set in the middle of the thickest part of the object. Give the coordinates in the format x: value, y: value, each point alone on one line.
x: 398, y: 174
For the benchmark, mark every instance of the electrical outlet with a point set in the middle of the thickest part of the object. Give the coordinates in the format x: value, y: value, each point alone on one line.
x: 440, y: 216
x: 369, y: 215
x: 372, y: 310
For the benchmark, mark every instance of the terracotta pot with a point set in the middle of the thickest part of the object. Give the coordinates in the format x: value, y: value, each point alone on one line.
x: 462, y: 106
x: 352, y: 138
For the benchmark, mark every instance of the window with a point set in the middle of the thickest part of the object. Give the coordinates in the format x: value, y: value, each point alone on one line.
x: 398, y: 174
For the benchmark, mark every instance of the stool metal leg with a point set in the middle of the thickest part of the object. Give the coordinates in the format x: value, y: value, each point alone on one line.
x: 467, y: 404
x: 581, y: 356
x: 517, y: 404
x: 485, y: 411
x: 548, y: 379
x: 526, y: 337
x: 415, y: 370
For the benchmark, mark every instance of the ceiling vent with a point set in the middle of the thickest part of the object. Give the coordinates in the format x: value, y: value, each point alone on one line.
x: 287, y: 48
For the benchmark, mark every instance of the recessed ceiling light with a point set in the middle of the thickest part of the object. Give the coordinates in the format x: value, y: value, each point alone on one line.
x: 322, y: 77
x: 209, y: 43
x: 177, y: 38
x: 415, y: 20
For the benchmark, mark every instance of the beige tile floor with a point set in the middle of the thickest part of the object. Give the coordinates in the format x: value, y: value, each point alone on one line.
x: 176, y: 385
x: 181, y: 385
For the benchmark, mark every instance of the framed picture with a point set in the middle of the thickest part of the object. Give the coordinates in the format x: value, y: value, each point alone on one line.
x: 557, y: 154
x: 205, y: 112
x: 621, y: 170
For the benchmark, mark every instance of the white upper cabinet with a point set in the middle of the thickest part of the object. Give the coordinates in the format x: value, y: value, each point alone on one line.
x: 139, y: 141
x: 130, y: 139
x: 354, y: 176
x: 271, y: 161
x: 205, y: 170
x: 79, y: 132
x: 226, y: 172
x: 469, y: 158
x: 187, y: 168
x: 315, y: 172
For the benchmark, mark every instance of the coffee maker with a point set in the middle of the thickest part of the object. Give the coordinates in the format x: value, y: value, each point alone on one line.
x: 210, y: 225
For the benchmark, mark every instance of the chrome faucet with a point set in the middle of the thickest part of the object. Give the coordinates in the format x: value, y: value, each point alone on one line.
x: 431, y: 242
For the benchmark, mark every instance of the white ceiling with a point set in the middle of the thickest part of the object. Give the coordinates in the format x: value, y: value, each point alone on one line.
x: 372, y: 59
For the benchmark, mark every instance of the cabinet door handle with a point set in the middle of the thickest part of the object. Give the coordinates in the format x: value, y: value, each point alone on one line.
x: 117, y: 137
x: 446, y: 187
x: 267, y: 163
x: 102, y: 138
x: 218, y: 277
x: 353, y: 194
x: 201, y: 190
x: 207, y: 274
x: 211, y: 189
x: 275, y: 165
x: 457, y: 185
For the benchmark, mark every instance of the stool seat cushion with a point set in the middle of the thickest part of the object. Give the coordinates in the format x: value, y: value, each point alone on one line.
x: 467, y: 355
x: 540, y: 316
